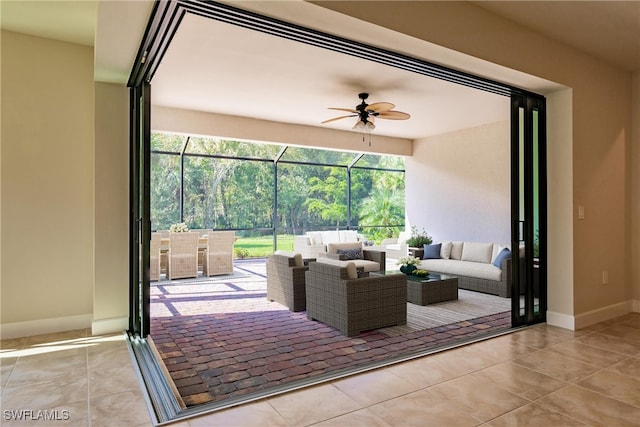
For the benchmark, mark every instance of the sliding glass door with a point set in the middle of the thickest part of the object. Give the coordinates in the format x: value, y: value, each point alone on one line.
x: 528, y: 209
x: 139, y: 213
x: 528, y: 139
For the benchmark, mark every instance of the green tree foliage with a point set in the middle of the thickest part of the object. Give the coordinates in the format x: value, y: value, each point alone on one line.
x: 328, y: 195
x: 383, y: 209
x: 293, y: 188
x: 229, y: 184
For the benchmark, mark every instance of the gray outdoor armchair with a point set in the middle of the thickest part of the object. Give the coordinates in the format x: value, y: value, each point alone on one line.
x: 365, y: 260
x: 337, y: 297
x: 286, y: 280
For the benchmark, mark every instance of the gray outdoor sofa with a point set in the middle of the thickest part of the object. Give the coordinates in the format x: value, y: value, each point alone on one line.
x: 473, y: 263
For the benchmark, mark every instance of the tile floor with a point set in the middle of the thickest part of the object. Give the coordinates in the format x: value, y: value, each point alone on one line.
x: 70, y: 379
x: 538, y: 376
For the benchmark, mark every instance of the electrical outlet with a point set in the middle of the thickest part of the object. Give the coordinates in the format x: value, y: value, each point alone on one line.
x: 605, y: 277
x: 580, y: 212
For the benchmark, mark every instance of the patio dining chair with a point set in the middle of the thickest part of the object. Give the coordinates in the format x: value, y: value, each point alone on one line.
x: 183, y: 255
x: 154, y: 257
x: 218, y: 258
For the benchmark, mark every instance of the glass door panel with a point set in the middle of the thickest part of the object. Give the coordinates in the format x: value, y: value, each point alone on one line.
x: 522, y: 244
x: 139, y: 217
x: 535, y: 297
x: 528, y: 210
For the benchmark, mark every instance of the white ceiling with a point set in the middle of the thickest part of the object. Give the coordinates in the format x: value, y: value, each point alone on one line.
x: 216, y: 67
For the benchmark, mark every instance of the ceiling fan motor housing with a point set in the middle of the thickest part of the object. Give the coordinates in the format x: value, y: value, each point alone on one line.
x: 362, y: 107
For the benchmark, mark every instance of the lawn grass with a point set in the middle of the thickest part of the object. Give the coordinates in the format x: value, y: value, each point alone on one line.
x: 260, y: 247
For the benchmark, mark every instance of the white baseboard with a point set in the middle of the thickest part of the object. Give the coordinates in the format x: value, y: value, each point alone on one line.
x: 605, y: 313
x: 592, y: 317
x: 45, y: 326
x: 561, y: 320
x: 108, y: 326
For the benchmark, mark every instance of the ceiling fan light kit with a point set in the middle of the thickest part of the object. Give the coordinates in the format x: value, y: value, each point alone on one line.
x: 366, y: 113
x: 364, y: 126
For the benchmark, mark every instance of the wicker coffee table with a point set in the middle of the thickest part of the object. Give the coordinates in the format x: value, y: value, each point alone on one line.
x: 429, y: 289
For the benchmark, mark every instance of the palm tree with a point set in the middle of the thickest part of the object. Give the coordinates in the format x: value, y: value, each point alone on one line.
x: 384, y: 208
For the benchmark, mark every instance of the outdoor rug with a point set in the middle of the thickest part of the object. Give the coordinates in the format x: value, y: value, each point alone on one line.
x: 470, y: 305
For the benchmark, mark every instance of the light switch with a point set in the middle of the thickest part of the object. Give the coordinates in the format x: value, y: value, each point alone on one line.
x: 580, y: 212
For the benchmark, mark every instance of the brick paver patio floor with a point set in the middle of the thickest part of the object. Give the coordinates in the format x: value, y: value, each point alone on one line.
x: 222, y: 338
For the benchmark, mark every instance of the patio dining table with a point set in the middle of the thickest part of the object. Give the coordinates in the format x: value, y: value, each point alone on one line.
x: 202, y: 249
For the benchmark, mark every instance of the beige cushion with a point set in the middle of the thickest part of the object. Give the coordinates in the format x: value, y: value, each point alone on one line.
x: 477, y: 252
x: 348, y: 236
x: 445, y: 250
x: 480, y: 270
x: 352, y: 272
x: 304, y: 240
x: 331, y: 236
x: 315, y: 237
x: 367, y: 266
x: 332, y: 248
x: 456, y: 250
x: 297, y: 258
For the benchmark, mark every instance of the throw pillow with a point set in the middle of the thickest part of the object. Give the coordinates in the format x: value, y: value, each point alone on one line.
x: 350, y: 254
x: 504, y: 254
x: 456, y: 250
x: 497, y: 248
x: 432, y: 251
x: 477, y: 252
x: 445, y: 252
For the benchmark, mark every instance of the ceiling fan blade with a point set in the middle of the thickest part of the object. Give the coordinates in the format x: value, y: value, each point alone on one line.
x: 338, y: 118
x: 379, y: 107
x: 350, y: 110
x: 393, y: 115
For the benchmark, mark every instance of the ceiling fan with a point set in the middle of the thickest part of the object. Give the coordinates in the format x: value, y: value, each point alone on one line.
x: 366, y: 113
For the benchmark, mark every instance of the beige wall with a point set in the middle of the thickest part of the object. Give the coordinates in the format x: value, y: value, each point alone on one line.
x: 111, y: 287
x: 47, y: 185
x: 460, y: 184
x: 210, y: 124
x: 601, y: 136
x: 560, y: 208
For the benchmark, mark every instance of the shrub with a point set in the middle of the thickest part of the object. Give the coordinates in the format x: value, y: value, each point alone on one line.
x: 241, y: 253
x: 418, y: 239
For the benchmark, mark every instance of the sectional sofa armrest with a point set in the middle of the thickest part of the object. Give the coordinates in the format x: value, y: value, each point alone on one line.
x: 506, y: 269
x: 378, y: 256
x: 378, y: 283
